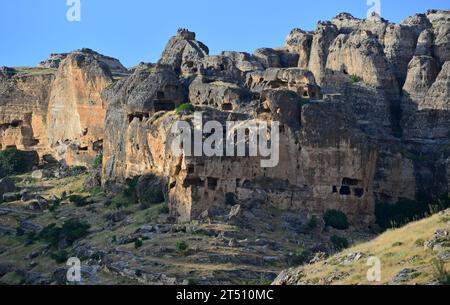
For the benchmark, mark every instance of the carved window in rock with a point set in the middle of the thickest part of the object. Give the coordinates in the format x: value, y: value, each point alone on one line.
x: 212, y: 183
x: 345, y: 190
x: 359, y: 192
x: 140, y: 116
x: 227, y: 107
x: 160, y: 95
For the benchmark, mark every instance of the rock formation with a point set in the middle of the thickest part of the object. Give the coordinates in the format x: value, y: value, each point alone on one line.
x: 57, y: 111
x: 363, y: 107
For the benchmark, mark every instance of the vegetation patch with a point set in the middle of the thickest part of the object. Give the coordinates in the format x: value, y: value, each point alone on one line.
x: 395, y: 215
x: 230, y: 199
x: 336, y: 219
x: 184, y: 108
x: 181, y: 246
x: 98, y: 161
x: 339, y: 243
x: 70, y: 231
x: 14, y: 161
x: 78, y: 201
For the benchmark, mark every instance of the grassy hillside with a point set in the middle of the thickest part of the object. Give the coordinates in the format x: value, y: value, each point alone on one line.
x: 418, y: 253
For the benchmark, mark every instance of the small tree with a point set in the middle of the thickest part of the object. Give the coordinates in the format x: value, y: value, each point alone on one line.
x: 181, y: 246
x: 98, y: 161
x: 339, y: 243
x: 14, y: 161
x: 184, y: 108
x: 336, y: 219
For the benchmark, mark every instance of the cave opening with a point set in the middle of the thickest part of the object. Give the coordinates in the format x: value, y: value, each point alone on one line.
x: 345, y: 190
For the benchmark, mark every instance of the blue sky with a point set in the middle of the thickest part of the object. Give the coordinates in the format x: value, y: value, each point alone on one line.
x: 137, y: 30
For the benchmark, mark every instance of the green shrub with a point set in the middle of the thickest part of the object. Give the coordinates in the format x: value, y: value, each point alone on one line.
x: 419, y: 243
x: 181, y: 246
x: 301, y: 257
x: 152, y: 197
x: 130, y: 190
x: 355, y: 78
x: 78, y: 200
x: 121, y: 201
x: 184, y: 108
x: 30, y: 238
x: 138, y: 243
x: 70, y: 231
x: 98, y: 161
x: 395, y: 215
x: 230, y: 199
x: 339, y: 243
x: 441, y: 274
x: 54, y: 205
x: 14, y: 161
x: 77, y: 170
x: 20, y: 231
x: 336, y: 219
x: 95, y: 191
x: 313, y: 223
x: 60, y: 256
x: 164, y: 209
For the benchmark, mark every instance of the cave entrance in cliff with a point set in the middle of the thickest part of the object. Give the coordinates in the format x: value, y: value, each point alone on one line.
x: 193, y: 181
x: 227, y: 107
x: 212, y: 183
x: 350, y: 181
x: 139, y: 115
x: 164, y: 106
x: 345, y: 190
x: 16, y: 124
x: 359, y: 192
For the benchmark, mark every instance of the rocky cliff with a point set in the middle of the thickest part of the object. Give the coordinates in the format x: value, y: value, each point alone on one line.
x: 56, y: 109
x: 362, y: 105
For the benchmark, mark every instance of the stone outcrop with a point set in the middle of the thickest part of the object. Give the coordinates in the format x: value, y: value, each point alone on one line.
x: 57, y: 112
x: 300, y: 42
x: 183, y: 53
x: 362, y: 107
x: 76, y: 110
x: 323, y: 37
x: 55, y: 60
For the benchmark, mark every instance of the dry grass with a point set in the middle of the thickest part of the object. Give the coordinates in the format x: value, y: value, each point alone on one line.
x: 397, y: 249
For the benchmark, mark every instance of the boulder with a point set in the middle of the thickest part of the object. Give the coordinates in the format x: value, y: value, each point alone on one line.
x: 300, y: 42
x: 6, y: 186
x: 10, y: 197
x: 183, y: 53
x: 324, y: 36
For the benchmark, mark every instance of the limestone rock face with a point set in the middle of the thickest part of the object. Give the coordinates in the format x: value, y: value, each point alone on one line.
x: 58, y: 113
x: 438, y: 96
x: 55, y: 60
x: 440, y: 21
x: 76, y: 110
x: 131, y: 103
x: 422, y: 72
x: 183, y: 53
x: 425, y: 43
x: 399, y: 44
x: 270, y: 58
x: 348, y: 138
x: 299, y: 42
x: 324, y: 36
x: 24, y: 100
x: 218, y: 94
x: 361, y: 54
x: 282, y: 106
x: 298, y: 80
x: 243, y: 61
